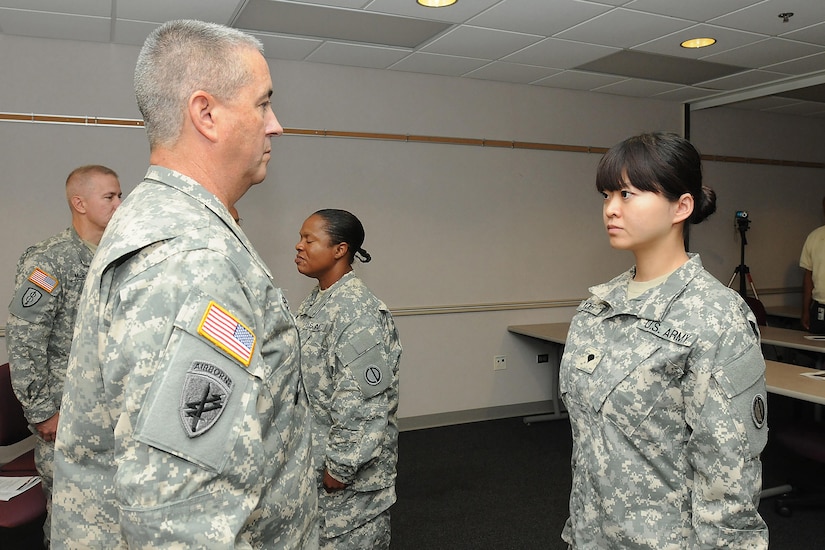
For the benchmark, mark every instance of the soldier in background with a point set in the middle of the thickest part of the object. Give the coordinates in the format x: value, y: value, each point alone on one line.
x: 812, y: 262
x: 184, y: 421
x: 350, y: 352
x: 42, y: 312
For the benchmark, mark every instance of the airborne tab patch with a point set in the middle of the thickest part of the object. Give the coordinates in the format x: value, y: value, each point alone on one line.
x: 206, y: 390
x: 225, y: 331
x: 43, y: 280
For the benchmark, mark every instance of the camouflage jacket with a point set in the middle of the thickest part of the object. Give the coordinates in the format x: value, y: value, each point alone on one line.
x: 666, y: 395
x: 184, y: 422
x: 349, y: 359
x: 39, y: 329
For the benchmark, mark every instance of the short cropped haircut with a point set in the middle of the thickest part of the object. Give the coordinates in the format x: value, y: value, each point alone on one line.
x: 179, y: 58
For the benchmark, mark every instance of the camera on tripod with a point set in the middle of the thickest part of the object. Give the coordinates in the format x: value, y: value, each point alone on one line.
x: 742, y: 220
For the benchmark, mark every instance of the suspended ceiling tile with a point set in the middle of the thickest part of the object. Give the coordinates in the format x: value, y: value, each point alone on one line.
x: 159, y: 11
x: 459, y: 12
x: 431, y: 63
x: 763, y: 17
x: 622, y: 28
x: 801, y: 66
x: 664, y: 68
x: 466, y: 41
x: 764, y: 53
x: 133, y: 32
x: 336, y: 24
x: 356, y: 55
x: 637, y: 88
x: 685, y: 94
x: 55, y: 25
x: 726, y: 39
x: 291, y: 48
x: 815, y: 34
x: 578, y: 80
x: 538, y: 17
x: 97, y: 8
x: 695, y: 10
x: 510, y: 72
x: 559, y: 54
x: 744, y: 80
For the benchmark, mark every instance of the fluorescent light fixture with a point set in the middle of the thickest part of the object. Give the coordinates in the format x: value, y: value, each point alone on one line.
x: 698, y: 43
x: 436, y: 3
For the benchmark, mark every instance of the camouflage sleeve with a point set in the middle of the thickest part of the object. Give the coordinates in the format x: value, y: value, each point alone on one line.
x: 29, y: 328
x: 726, y: 411
x: 359, y: 408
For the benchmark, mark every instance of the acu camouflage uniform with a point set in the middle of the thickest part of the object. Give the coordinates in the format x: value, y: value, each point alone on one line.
x: 666, y: 395
x: 39, y: 331
x: 184, y: 422
x: 350, y: 353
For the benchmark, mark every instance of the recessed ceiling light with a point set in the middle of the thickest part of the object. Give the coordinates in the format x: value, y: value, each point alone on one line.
x: 698, y: 43
x: 436, y: 3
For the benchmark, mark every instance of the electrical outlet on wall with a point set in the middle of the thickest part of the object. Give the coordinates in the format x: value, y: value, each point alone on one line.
x: 499, y: 362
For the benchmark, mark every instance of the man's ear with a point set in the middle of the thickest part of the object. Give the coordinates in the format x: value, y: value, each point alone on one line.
x: 684, y: 208
x: 78, y: 204
x: 201, y: 109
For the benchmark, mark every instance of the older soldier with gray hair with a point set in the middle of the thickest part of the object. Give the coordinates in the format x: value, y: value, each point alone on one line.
x: 42, y: 312
x: 185, y: 423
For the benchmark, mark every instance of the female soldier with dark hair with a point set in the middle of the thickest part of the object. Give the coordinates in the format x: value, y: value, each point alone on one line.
x: 662, y: 374
x: 349, y: 361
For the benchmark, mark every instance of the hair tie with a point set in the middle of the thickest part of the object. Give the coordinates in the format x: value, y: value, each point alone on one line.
x: 363, y: 255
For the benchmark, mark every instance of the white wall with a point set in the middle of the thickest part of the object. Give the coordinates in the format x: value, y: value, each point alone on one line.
x: 446, y: 224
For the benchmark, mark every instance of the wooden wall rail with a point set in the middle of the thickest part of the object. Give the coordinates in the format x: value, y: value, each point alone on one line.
x: 409, y: 138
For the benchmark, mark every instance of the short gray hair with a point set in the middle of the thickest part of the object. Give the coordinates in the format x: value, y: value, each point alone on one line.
x: 180, y: 57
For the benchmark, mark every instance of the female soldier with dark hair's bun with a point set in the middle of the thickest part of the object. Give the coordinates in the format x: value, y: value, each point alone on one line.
x: 662, y: 374
x: 349, y: 361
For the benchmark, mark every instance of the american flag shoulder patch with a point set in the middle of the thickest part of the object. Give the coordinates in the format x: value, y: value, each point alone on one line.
x: 43, y: 280
x: 225, y: 331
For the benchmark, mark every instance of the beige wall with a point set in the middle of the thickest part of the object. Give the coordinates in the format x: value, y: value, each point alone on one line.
x: 446, y: 225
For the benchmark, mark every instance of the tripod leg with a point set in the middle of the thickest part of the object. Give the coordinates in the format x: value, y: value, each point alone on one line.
x: 732, y: 277
x: 753, y: 288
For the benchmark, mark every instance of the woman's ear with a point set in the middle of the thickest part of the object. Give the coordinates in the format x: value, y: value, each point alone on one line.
x: 684, y: 208
x: 341, y: 250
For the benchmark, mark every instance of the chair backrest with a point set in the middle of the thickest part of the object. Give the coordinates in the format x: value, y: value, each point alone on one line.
x: 13, y: 425
x: 758, y: 309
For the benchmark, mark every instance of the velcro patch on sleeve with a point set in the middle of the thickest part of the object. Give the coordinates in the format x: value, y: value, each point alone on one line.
x: 43, y: 280
x: 225, y: 331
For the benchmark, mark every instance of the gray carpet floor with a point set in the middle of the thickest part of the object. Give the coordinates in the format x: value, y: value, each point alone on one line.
x: 504, y: 485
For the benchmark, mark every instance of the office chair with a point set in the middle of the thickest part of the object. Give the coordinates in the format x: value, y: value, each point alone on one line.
x: 758, y: 309
x: 22, y: 517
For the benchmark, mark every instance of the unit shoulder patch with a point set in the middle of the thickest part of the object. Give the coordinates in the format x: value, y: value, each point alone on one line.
x: 206, y: 390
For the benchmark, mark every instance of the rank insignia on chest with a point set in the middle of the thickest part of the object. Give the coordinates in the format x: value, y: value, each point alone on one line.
x: 43, y: 280
x: 229, y: 334
x: 206, y: 390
